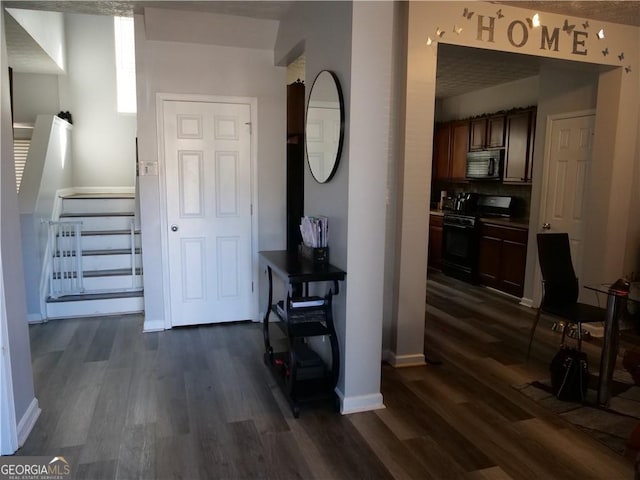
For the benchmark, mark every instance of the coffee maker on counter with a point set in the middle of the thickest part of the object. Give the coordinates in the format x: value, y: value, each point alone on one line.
x: 461, y: 203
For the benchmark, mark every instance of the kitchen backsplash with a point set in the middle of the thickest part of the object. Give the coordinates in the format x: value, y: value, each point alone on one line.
x: 521, y: 192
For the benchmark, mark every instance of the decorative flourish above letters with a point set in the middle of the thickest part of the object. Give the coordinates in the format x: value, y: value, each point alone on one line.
x: 567, y: 28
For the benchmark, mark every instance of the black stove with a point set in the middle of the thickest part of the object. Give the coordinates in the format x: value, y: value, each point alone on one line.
x: 461, y: 233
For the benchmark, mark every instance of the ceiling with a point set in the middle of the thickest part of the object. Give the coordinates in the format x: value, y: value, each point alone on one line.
x: 454, y: 63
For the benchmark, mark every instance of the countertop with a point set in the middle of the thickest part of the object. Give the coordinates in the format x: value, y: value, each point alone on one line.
x: 507, y: 222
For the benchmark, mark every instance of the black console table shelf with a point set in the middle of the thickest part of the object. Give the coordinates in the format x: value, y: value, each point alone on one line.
x: 302, y: 375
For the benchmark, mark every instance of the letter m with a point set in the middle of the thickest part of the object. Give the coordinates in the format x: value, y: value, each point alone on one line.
x: 549, y: 41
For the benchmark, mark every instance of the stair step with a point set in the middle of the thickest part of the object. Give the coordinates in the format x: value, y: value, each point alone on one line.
x: 112, y: 251
x: 95, y: 305
x: 114, y: 272
x: 96, y: 296
x: 98, y: 196
x: 89, y: 233
x: 85, y: 203
x: 96, y: 214
x: 92, y: 222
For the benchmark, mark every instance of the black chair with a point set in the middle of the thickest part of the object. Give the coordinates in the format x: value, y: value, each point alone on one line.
x: 560, y: 287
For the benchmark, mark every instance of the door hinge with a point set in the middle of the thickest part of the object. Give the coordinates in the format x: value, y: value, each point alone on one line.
x: 251, y: 287
x: 250, y: 127
x: 251, y: 208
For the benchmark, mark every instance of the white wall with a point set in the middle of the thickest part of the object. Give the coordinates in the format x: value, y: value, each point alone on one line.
x: 47, y: 29
x: 103, y: 146
x: 13, y: 299
x: 174, y: 67
x: 562, y: 90
x: 34, y: 94
x: 519, y: 93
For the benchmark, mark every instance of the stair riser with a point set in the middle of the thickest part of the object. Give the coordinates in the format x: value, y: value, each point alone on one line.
x: 101, y: 223
x: 89, y: 308
x: 109, y: 242
x: 98, y: 205
x: 119, y: 282
x: 108, y: 262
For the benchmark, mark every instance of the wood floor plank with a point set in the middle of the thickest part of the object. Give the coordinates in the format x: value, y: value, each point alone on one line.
x: 198, y: 403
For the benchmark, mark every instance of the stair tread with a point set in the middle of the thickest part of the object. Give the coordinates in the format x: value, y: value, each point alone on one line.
x: 98, y: 196
x: 88, y: 233
x: 96, y: 214
x: 109, y: 251
x: 96, y: 296
x: 114, y: 272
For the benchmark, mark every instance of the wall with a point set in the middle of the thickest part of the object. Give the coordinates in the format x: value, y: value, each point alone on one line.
x: 103, y: 146
x: 48, y: 169
x: 13, y: 299
x: 47, y: 29
x: 520, y: 93
x: 562, y: 89
x: 174, y: 67
x: 355, y: 41
x: 610, y: 200
x: 34, y: 94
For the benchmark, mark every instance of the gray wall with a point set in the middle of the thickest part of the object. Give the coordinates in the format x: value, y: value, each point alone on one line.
x: 34, y: 94
x: 11, y: 253
x: 562, y: 89
x: 190, y: 68
x: 103, y: 144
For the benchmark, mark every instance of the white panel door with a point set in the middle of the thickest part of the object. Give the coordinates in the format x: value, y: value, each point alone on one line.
x: 568, y: 169
x: 208, y: 179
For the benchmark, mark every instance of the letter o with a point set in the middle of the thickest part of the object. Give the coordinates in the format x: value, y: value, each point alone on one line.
x: 525, y: 33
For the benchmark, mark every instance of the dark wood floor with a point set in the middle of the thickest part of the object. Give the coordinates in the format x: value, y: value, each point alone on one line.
x: 199, y: 403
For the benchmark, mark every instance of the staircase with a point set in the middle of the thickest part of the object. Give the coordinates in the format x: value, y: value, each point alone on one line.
x: 96, y: 264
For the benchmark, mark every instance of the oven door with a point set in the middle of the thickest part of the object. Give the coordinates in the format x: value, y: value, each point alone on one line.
x: 460, y: 251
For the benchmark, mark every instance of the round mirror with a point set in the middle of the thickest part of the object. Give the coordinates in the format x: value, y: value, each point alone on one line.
x: 324, y: 128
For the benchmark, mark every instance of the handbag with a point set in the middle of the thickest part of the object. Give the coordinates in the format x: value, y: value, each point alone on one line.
x: 569, y: 374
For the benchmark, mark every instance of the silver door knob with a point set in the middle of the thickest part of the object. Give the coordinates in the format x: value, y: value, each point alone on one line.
x: 546, y: 226
x: 174, y: 228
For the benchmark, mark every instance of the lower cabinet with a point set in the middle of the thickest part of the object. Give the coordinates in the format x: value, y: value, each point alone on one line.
x: 503, y: 257
x: 435, y: 242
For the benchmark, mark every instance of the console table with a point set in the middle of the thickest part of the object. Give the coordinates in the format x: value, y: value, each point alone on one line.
x: 301, y: 373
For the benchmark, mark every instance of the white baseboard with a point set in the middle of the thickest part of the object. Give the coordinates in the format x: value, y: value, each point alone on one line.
x: 153, y: 326
x: 35, y: 318
x: 394, y: 360
x: 526, y: 302
x: 28, y: 420
x: 360, y: 403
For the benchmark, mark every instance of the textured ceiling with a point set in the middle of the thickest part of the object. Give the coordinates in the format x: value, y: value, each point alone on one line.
x: 624, y: 12
x: 269, y: 10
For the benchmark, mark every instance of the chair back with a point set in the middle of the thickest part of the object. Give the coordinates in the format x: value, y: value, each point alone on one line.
x: 558, y: 276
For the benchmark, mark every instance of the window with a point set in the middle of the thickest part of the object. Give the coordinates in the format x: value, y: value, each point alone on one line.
x: 20, y: 153
x: 125, y: 64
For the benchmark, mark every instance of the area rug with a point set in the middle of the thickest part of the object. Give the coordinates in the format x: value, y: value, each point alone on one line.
x: 610, y: 425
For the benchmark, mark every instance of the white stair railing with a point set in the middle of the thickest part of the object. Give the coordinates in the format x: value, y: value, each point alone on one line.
x: 132, y: 243
x: 65, y: 269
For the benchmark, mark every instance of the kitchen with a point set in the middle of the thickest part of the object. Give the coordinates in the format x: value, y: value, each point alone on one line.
x: 487, y: 129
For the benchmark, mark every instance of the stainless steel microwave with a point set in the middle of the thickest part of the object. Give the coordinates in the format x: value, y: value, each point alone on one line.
x: 484, y: 165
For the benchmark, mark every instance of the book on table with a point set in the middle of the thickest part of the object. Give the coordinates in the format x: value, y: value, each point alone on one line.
x: 299, y: 302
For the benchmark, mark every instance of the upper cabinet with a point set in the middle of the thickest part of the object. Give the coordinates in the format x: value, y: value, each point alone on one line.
x: 450, y: 150
x: 518, y: 159
x: 486, y: 132
x: 512, y: 131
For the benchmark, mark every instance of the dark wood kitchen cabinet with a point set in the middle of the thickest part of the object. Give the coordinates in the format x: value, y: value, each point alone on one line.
x: 518, y: 158
x: 486, y: 132
x: 435, y: 242
x: 502, y: 257
x: 451, y: 144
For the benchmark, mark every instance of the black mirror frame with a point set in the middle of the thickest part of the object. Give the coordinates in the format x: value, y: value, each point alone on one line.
x: 336, y: 160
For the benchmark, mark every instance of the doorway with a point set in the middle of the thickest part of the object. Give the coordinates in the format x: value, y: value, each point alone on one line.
x: 207, y: 150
